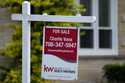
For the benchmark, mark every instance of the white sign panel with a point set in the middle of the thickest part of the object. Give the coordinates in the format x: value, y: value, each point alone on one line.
x: 60, y: 60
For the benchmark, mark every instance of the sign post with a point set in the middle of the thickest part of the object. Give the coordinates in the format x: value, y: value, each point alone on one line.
x: 26, y: 43
x: 26, y: 18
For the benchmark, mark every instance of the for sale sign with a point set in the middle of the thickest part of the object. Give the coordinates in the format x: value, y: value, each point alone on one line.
x: 59, y: 60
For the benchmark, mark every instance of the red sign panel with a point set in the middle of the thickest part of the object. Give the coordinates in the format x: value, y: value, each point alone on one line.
x: 60, y: 53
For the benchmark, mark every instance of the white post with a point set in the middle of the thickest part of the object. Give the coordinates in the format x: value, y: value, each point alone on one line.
x: 25, y: 43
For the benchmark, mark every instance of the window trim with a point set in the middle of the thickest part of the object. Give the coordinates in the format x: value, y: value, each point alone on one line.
x: 95, y: 26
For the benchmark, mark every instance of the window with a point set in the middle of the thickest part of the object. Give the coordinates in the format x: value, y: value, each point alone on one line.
x: 86, y: 38
x: 99, y: 38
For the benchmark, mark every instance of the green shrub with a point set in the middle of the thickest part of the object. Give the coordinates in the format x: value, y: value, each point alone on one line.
x: 114, y: 73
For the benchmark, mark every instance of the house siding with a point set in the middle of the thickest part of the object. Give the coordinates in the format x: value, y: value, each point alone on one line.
x: 5, y: 36
x: 121, y: 27
x: 5, y: 30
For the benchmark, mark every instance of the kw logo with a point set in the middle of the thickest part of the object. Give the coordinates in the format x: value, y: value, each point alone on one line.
x: 48, y: 69
x: 57, y: 69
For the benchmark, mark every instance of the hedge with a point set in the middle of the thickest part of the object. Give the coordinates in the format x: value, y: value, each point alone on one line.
x: 114, y: 73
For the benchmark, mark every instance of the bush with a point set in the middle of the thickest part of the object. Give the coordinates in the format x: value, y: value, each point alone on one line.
x: 114, y: 73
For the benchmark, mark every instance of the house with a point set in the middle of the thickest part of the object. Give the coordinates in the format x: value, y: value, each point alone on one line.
x: 103, y: 41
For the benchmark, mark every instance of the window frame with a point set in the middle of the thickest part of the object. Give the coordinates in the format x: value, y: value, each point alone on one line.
x: 96, y: 51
